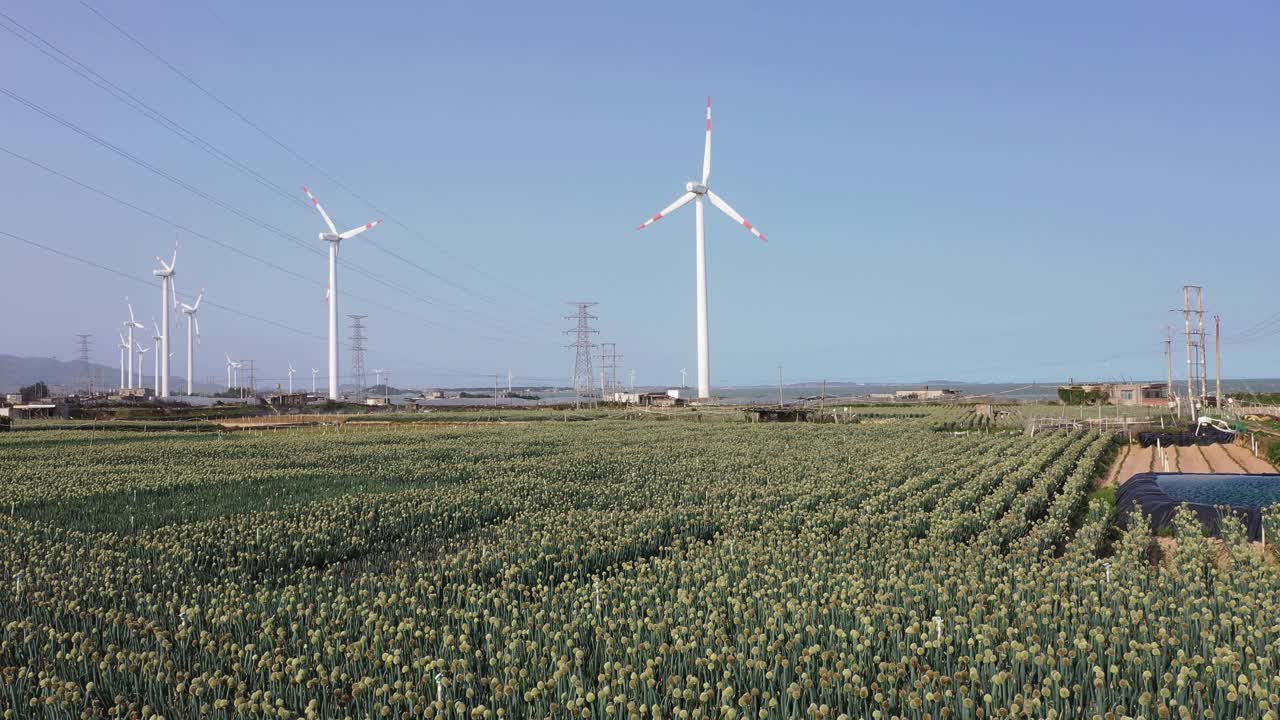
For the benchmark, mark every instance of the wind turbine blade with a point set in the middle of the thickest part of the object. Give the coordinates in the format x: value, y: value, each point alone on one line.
x: 196, y: 321
x: 706, y: 150
x: 724, y: 207
x: 356, y: 231
x: 198, y: 299
x: 323, y: 214
x: 667, y: 210
x: 131, y: 318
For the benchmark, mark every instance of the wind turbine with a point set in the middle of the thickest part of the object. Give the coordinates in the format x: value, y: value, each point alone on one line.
x: 232, y: 366
x: 291, y: 372
x: 129, y: 325
x: 124, y: 348
x: 697, y: 192
x: 378, y: 374
x: 141, y: 351
x: 168, y: 295
x: 313, y: 380
x: 156, y: 358
x: 190, y: 312
x: 334, y: 238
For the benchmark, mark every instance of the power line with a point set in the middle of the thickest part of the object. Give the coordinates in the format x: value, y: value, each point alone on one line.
x: 262, y: 131
x: 135, y: 278
x: 191, y: 231
x: 283, y: 234
x: 248, y: 316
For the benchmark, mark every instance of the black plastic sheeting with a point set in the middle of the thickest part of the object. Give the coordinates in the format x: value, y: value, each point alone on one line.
x: 1142, y: 492
x: 1186, y: 438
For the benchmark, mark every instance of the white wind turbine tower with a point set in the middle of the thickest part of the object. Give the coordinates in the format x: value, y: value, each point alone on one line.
x: 378, y: 374
x: 697, y: 192
x: 167, y: 296
x: 124, y: 348
x: 190, y: 312
x: 334, y: 238
x: 314, y: 372
x: 129, y: 325
x: 232, y: 366
x: 141, y: 351
x: 156, y: 358
x: 291, y: 372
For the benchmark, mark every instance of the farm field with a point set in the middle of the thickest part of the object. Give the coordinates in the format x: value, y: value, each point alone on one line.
x: 609, y: 569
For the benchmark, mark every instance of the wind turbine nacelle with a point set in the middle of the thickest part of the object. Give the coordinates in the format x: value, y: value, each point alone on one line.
x: 697, y: 188
x: 329, y: 237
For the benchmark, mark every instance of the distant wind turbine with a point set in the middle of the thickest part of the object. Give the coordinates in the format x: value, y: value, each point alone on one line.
x: 168, y: 296
x: 314, y: 372
x: 129, y: 325
x: 156, y: 358
x: 697, y: 192
x: 291, y: 372
x: 334, y: 238
x: 192, y: 322
x: 125, y: 347
x: 232, y: 367
x: 141, y: 351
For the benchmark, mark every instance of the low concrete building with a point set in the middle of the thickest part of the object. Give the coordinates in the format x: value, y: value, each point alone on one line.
x: 290, y: 400
x: 29, y: 412
x: 1124, y: 394
x: 926, y: 393
x: 646, y: 399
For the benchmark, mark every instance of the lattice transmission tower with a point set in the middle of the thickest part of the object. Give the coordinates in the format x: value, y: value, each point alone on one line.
x: 358, y: 348
x: 583, y: 382
x: 609, y: 358
x: 86, y: 379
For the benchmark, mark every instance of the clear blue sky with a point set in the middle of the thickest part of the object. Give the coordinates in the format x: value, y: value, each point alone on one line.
x: 974, y: 191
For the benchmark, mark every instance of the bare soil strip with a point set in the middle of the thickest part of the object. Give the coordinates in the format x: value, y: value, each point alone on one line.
x: 1220, y: 460
x: 1191, y: 460
x: 1137, y: 461
x: 1246, y: 459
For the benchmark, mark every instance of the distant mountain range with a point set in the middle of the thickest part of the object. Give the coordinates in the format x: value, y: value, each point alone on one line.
x: 68, y: 375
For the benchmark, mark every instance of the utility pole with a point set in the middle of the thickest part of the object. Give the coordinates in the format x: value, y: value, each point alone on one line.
x: 633, y: 380
x: 358, y: 348
x: 495, y: 387
x: 1217, y: 365
x: 1168, y: 356
x: 582, y: 375
x: 1204, y: 364
x: 1195, y: 346
x: 822, y: 401
x: 253, y: 381
x: 86, y: 380
x: 780, y: 386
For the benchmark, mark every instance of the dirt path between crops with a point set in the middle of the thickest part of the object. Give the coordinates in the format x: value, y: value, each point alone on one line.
x: 1220, y: 460
x: 1246, y: 459
x: 1191, y: 460
x: 1138, y: 460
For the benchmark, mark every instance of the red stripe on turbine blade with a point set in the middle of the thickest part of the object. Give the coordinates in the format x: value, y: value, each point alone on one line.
x: 708, y: 124
x: 656, y: 217
x: 746, y: 224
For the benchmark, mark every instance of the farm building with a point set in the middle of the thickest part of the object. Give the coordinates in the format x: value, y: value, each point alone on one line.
x: 293, y: 400
x: 28, y: 412
x: 1126, y: 394
x: 646, y: 399
x: 926, y: 393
